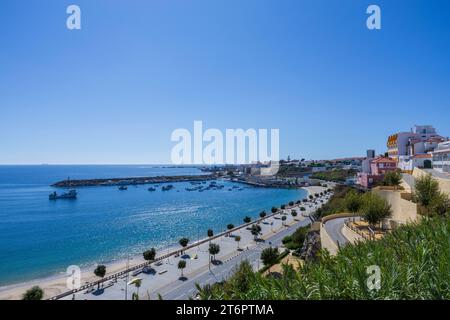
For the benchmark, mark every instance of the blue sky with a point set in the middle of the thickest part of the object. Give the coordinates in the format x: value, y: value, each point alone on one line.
x: 114, y: 91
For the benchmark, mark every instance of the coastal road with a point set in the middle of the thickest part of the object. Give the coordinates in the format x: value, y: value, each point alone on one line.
x: 334, y: 229
x: 221, y: 272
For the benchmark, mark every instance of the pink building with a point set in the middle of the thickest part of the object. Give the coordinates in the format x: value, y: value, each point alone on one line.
x: 381, y: 165
x: 378, y: 167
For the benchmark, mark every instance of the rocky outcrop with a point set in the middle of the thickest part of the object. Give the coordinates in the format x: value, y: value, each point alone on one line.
x: 311, y: 246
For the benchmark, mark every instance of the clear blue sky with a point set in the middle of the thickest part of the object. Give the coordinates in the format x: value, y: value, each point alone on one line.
x: 113, y: 91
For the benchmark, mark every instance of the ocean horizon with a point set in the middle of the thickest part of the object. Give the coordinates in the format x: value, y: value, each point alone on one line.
x: 40, y: 238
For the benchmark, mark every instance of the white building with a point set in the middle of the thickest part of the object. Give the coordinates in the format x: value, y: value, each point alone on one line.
x: 420, y: 140
x: 408, y: 163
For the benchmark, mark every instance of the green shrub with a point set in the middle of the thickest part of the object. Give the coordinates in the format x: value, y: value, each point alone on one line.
x: 414, y: 262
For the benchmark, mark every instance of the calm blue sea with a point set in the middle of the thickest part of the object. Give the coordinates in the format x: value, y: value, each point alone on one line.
x: 39, y: 237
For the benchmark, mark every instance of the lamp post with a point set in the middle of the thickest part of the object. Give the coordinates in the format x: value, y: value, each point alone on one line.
x: 126, y: 281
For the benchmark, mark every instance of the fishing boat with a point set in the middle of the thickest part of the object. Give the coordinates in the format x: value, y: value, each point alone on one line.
x: 167, y: 188
x: 123, y: 188
x: 72, y: 194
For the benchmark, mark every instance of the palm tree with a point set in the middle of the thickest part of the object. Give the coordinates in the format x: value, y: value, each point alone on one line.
x: 181, y: 266
x: 137, y: 284
x: 184, y: 242
x: 100, y: 271
x: 283, y: 218
x: 255, y: 230
x: 214, y: 249
x: 262, y: 214
x: 247, y: 219
x: 149, y: 255
x: 210, y: 234
x: 294, y: 213
x: 237, y: 239
x: 274, y: 209
x: 230, y: 226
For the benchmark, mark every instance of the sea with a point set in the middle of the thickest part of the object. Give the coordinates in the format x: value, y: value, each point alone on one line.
x: 40, y: 237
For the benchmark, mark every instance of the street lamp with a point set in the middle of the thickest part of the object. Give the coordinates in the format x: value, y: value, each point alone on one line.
x: 126, y: 282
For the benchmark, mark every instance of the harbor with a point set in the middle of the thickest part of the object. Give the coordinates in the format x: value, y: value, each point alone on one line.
x: 70, y: 183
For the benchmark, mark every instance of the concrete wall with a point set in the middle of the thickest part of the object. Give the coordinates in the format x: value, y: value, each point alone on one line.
x: 325, y: 239
x: 402, y: 210
x: 351, y: 235
x: 326, y: 242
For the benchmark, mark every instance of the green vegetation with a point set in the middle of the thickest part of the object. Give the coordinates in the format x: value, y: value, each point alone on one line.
x: 274, y: 209
x: 35, y: 293
x: 214, y: 249
x: 149, y: 255
x: 428, y: 195
x: 414, y: 261
x: 353, y: 201
x: 392, y: 178
x: 181, y: 266
x: 295, y: 241
x: 374, y: 208
x: 291, y: 171
x: 237, y: 239
x: 184, y: 242
x: 210, y: 233
x: 255, y: 230
x: 334, y: 175
x: 269, y: 256
x: 247, y: 219
x: 100, y: 272
x: 294, y: 213
x: 336, y: 204
x: 262, y: 214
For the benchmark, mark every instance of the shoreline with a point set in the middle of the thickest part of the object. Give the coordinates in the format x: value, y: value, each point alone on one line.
x: 56, y: 283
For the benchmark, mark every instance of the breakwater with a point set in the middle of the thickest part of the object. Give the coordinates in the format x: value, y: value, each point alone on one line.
x: 69, y: 183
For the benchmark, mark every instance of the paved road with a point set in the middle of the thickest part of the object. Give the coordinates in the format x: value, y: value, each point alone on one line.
x: 218, y: 273
x: 409, y: 179
x: 334, y: 229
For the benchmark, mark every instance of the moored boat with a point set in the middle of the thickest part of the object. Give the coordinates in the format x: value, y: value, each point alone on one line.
x: 72, y: 194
